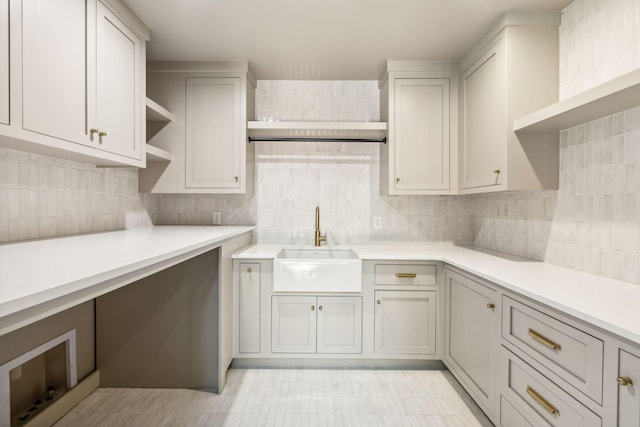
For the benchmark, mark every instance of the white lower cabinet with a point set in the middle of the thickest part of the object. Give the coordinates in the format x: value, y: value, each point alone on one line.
x: 405, y: 322
x: 628, y: 389
x: 309, y: 324
x: 249, y: 308
x: 472, y: 321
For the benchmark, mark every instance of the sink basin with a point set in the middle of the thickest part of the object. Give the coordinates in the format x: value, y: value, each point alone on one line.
x: 317, y: 270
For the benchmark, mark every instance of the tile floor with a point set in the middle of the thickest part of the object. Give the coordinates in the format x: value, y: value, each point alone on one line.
x: 290, y: 397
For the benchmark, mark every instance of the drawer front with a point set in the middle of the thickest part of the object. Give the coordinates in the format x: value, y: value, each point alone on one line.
x: 530, y: 390
x: 572, y: 354
x: 405, y: 274
x: 510, y: 416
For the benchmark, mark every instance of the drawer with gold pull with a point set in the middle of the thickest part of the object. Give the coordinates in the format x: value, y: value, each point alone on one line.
x: 544, y: 402
x: 405, y: 274
x: 568, y: 352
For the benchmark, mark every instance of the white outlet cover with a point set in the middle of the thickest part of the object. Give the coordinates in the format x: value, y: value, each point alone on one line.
x: 377, y: 223
x: 216, y: 218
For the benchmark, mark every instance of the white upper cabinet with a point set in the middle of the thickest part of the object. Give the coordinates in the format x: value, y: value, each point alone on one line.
x: 4, y: 61
x: 511, y: 72
x: 213, y: 133
x: 55, y: 66
x: 119, y: 86
x: 76, y: 73
x: 416, y: 100
x: 207, y: 139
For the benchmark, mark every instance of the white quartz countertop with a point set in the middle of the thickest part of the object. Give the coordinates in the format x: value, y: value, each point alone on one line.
x: 609, y: 304
x: 69, y: 270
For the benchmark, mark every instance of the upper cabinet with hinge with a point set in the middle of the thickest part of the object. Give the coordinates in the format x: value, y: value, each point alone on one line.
x: 211, y: 103
x: 511, y: 72
x: 419, y: 101
x: 4, y: 62
x: 77, y: 73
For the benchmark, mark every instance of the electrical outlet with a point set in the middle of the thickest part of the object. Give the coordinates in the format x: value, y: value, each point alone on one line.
x: 217, y: 218
x: 377, y: 223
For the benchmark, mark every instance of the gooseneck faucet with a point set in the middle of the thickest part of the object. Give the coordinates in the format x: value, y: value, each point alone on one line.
x: 319, y: 237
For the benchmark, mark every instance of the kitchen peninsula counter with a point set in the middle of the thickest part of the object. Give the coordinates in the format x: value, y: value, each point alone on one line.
x: 42, y: 277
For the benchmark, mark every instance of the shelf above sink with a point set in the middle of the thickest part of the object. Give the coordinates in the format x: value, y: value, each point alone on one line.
x: 317, y: 131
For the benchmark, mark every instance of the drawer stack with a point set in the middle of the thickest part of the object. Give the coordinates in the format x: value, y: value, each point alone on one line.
x: 551, y: 372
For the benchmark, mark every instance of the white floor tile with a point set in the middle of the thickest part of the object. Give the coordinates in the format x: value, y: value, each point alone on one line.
x: 290, y: 397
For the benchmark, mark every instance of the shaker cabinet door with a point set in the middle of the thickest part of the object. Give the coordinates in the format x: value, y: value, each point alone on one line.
x: 118, y: 101
x: 55, y: 68
x: 4, y: 61
x: 628, y: 389
x: 484, y: 121
x: 421, y: 134
x: 213, y: 133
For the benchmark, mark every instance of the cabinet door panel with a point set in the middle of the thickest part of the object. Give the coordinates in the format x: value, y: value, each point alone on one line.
x: 249, y: 308
x: 293, y: 324
x: 421, y: 134
x: 471, y: 335
x: 629, y: 395
x: 54, y: 68
x: 405, y: 322
x: 4, y: 61
x: 118, y: 109
x: 339, y: 324
x: 213, y: 133
x: 484, y: 126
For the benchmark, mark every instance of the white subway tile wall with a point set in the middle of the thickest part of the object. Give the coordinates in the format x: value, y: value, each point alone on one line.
x: 45, y: 197
x: 599, y: 40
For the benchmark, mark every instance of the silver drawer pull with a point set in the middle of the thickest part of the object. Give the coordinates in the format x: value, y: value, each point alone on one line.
x: 405, y: 275
x: 544, y: 340
x: 542, y: 401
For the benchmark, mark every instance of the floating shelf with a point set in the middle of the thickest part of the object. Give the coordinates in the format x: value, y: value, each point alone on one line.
x: 157, y: 113
x: 155, y: 154
x: 611, y: 97
x: 323, y: 131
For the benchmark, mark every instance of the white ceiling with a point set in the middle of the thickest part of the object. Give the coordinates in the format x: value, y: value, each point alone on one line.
x: 329, y: 39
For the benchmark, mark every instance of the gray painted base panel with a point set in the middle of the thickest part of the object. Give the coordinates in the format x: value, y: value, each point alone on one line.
x: 265, y: 363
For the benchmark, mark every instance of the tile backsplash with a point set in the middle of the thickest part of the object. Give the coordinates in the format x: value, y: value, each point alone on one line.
x: 46, y: 197
x: 599, y: 40
x: 592, y: 223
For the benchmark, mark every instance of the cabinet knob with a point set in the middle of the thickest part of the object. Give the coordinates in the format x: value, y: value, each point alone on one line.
x: 624, y: 381
x: 398, y: 179
x: 249, y: 270
x: 235, y: 178
x: 320, y: 307
x: 496, y: 171
x: 93, y: 130
x: 101, y: 134
x: 491, y: 306
x: 378, y: 302
x: 313, y: 307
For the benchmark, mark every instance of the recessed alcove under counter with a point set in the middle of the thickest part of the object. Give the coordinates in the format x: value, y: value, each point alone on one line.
x: 151, y: 307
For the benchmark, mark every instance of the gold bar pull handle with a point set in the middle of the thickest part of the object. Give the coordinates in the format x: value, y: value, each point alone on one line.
x: 543, y: 340
x: 543, y: 402
x: 405, y: 275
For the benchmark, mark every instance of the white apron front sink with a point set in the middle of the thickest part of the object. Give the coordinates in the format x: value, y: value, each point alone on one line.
x: 317, y: 270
